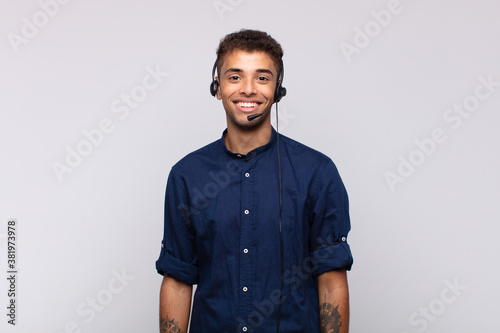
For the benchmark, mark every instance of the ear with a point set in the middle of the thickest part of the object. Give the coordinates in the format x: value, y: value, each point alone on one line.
x: 219, y: 95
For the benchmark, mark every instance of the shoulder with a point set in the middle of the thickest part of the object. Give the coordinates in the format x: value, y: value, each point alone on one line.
x: 310, y: 163
x: 198, y: 158
x: 302, y: 153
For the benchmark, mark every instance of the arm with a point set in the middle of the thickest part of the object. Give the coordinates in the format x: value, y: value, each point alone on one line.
x: 175, y: 305
x: 333, y: 302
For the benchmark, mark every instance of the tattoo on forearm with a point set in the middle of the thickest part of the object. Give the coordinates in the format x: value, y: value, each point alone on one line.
x: 329, y: 318
x: 169, y: 325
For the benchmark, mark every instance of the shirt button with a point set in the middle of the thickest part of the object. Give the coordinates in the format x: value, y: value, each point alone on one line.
x: 247, y: 212
x: 244, y: 329
x: 245, y: 289
x: 245, y: 251
x: 343, y: 239
x: 247, y: 175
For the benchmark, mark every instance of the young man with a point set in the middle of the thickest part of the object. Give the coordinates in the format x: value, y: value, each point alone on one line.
x: 258, y: 221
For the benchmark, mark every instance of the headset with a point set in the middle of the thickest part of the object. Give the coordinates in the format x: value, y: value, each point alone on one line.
x: 279, y: 93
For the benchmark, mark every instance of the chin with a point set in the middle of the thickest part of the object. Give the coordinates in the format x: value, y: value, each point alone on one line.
x: 244, y: 124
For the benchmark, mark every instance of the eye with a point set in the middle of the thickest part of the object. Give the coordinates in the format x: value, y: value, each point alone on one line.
x: 234, y: 78
x: 262, y: 78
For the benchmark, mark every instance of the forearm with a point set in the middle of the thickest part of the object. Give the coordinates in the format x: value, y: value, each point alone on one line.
x: 175, y: 305
x: 333, y: 302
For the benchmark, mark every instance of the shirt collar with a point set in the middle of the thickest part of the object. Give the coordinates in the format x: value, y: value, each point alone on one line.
x: 254, y: 152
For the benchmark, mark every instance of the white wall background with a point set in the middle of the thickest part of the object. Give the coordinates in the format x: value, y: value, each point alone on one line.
x: 437, y: 228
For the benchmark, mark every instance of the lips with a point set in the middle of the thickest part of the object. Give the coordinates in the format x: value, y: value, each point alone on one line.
x: 246, y: 106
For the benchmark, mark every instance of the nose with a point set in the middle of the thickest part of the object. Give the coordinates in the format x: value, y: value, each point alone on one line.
x: 248, y: 87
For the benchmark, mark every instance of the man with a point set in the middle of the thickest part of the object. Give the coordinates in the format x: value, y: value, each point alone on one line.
x: 258, y: 221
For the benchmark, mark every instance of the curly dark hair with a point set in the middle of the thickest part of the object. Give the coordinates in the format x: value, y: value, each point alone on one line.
x: 250, y: 41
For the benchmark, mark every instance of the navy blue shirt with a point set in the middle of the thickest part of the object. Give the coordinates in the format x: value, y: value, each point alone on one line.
x: 222, y: 233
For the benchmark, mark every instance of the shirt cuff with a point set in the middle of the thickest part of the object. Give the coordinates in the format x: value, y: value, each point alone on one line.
x: 179, y: 270
x: 332, y: 257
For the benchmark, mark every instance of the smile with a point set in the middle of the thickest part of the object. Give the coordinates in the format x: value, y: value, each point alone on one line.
x: 247, y: 104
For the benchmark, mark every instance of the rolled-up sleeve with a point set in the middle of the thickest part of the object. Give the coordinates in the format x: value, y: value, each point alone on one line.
x: 329, y: 222
x: 178, y: 255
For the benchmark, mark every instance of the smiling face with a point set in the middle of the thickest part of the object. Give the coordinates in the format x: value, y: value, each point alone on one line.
x: 247, y: 83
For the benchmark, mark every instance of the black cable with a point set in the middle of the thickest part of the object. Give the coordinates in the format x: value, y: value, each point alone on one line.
x: 281, y: 208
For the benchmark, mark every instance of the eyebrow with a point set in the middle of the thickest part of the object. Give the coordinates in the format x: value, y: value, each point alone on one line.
x: 238, y: 70
x: 264, y: 71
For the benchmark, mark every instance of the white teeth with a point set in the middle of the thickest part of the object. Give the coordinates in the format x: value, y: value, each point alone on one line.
x: 247, y: 104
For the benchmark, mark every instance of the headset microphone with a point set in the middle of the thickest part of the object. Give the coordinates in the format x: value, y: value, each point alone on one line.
x: 257, y: 115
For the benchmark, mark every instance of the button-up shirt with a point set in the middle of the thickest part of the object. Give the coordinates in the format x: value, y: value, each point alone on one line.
x: 221, y: 232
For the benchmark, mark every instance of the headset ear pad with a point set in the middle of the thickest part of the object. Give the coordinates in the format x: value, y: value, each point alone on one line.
x: 213, y: 87
x: 280, y: 93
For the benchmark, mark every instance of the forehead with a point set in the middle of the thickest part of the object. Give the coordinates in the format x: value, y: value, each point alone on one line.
x: 248, y: 61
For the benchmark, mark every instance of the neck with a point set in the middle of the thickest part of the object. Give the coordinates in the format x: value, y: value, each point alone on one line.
x: 242, y: 142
